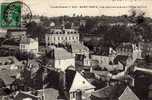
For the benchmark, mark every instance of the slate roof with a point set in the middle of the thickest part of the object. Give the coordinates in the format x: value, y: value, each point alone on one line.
x: 26, y: 40
x: 117, y: 92
x: 61, y: 54
x: 63, y: 31
x: 7, y: 76
x: 77, y: 47
x: 120, y: 58
x: 125, y: 45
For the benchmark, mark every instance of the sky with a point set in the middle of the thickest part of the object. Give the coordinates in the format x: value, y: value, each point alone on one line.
x: 87, y: 7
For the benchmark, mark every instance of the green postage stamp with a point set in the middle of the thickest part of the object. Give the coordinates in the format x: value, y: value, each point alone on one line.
x: 14, y: 15
x: 10, y: 15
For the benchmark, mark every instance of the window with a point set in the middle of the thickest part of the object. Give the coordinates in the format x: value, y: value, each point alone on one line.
x: 23, y: 46
x: 58, y: 38
x: 73, y: 94
x: 61, y: 38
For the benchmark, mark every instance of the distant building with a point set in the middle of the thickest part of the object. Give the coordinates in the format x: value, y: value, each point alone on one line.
x: 45, y: 94
x: 80, y: 89
x: 124, y: 60
x: 9, y: 76
x: 117, y: 24
x: 52, y: 24
x: 3, y: 33
x: 25, y: 96
x: 61, y: 36
x: 36, y: 19
x: 129, y: 49
x: 103, y: 51
x: 61, y: 59
x: 83, y: 23
x: 117, y: 92
x: 9, y: 63
x: 80, y: 51
x: 102, y: 60
x: 146, y: 48
x: 16, y: 34
x: 29, y: 45
x: 106, y: 63
x: 150, y: 92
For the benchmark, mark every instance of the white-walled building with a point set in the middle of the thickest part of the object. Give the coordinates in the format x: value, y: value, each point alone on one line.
x: 78, y: 49
x: 61, y: 36
x: 62, y: 59
x: 102, y: 60
x: 29, y: 45
x: 80, y: 88
x: 129, y: 49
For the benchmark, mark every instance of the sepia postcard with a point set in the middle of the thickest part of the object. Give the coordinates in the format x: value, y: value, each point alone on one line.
x: 75, y: 50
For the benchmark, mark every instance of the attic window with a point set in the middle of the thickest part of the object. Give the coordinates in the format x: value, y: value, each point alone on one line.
x: 83, y: 82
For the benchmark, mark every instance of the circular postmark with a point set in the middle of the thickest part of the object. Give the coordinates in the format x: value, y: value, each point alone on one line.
x: 17, y: 14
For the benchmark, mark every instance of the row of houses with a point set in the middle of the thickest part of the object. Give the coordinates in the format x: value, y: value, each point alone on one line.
x: 75, y: 56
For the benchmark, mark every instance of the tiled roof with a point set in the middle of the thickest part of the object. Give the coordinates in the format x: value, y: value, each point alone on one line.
x: 118, y: 91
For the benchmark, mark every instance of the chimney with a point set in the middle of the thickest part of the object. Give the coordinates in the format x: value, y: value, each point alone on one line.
x: 78, y: 95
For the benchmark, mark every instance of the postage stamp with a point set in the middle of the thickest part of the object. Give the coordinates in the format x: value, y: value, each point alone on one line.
x: 10, y: 15
x: 15, y: 14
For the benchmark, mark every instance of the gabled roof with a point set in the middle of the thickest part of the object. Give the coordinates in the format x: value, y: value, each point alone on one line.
x: 128, y: 94
x: 81, y: 83
x: 117, y: 92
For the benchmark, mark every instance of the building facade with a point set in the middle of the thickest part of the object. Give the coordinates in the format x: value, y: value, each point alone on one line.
x: 129, y: 49
x: 61, y: 36
x: 29, y: 45
x: 80, y: 89
x: 61, y: 59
